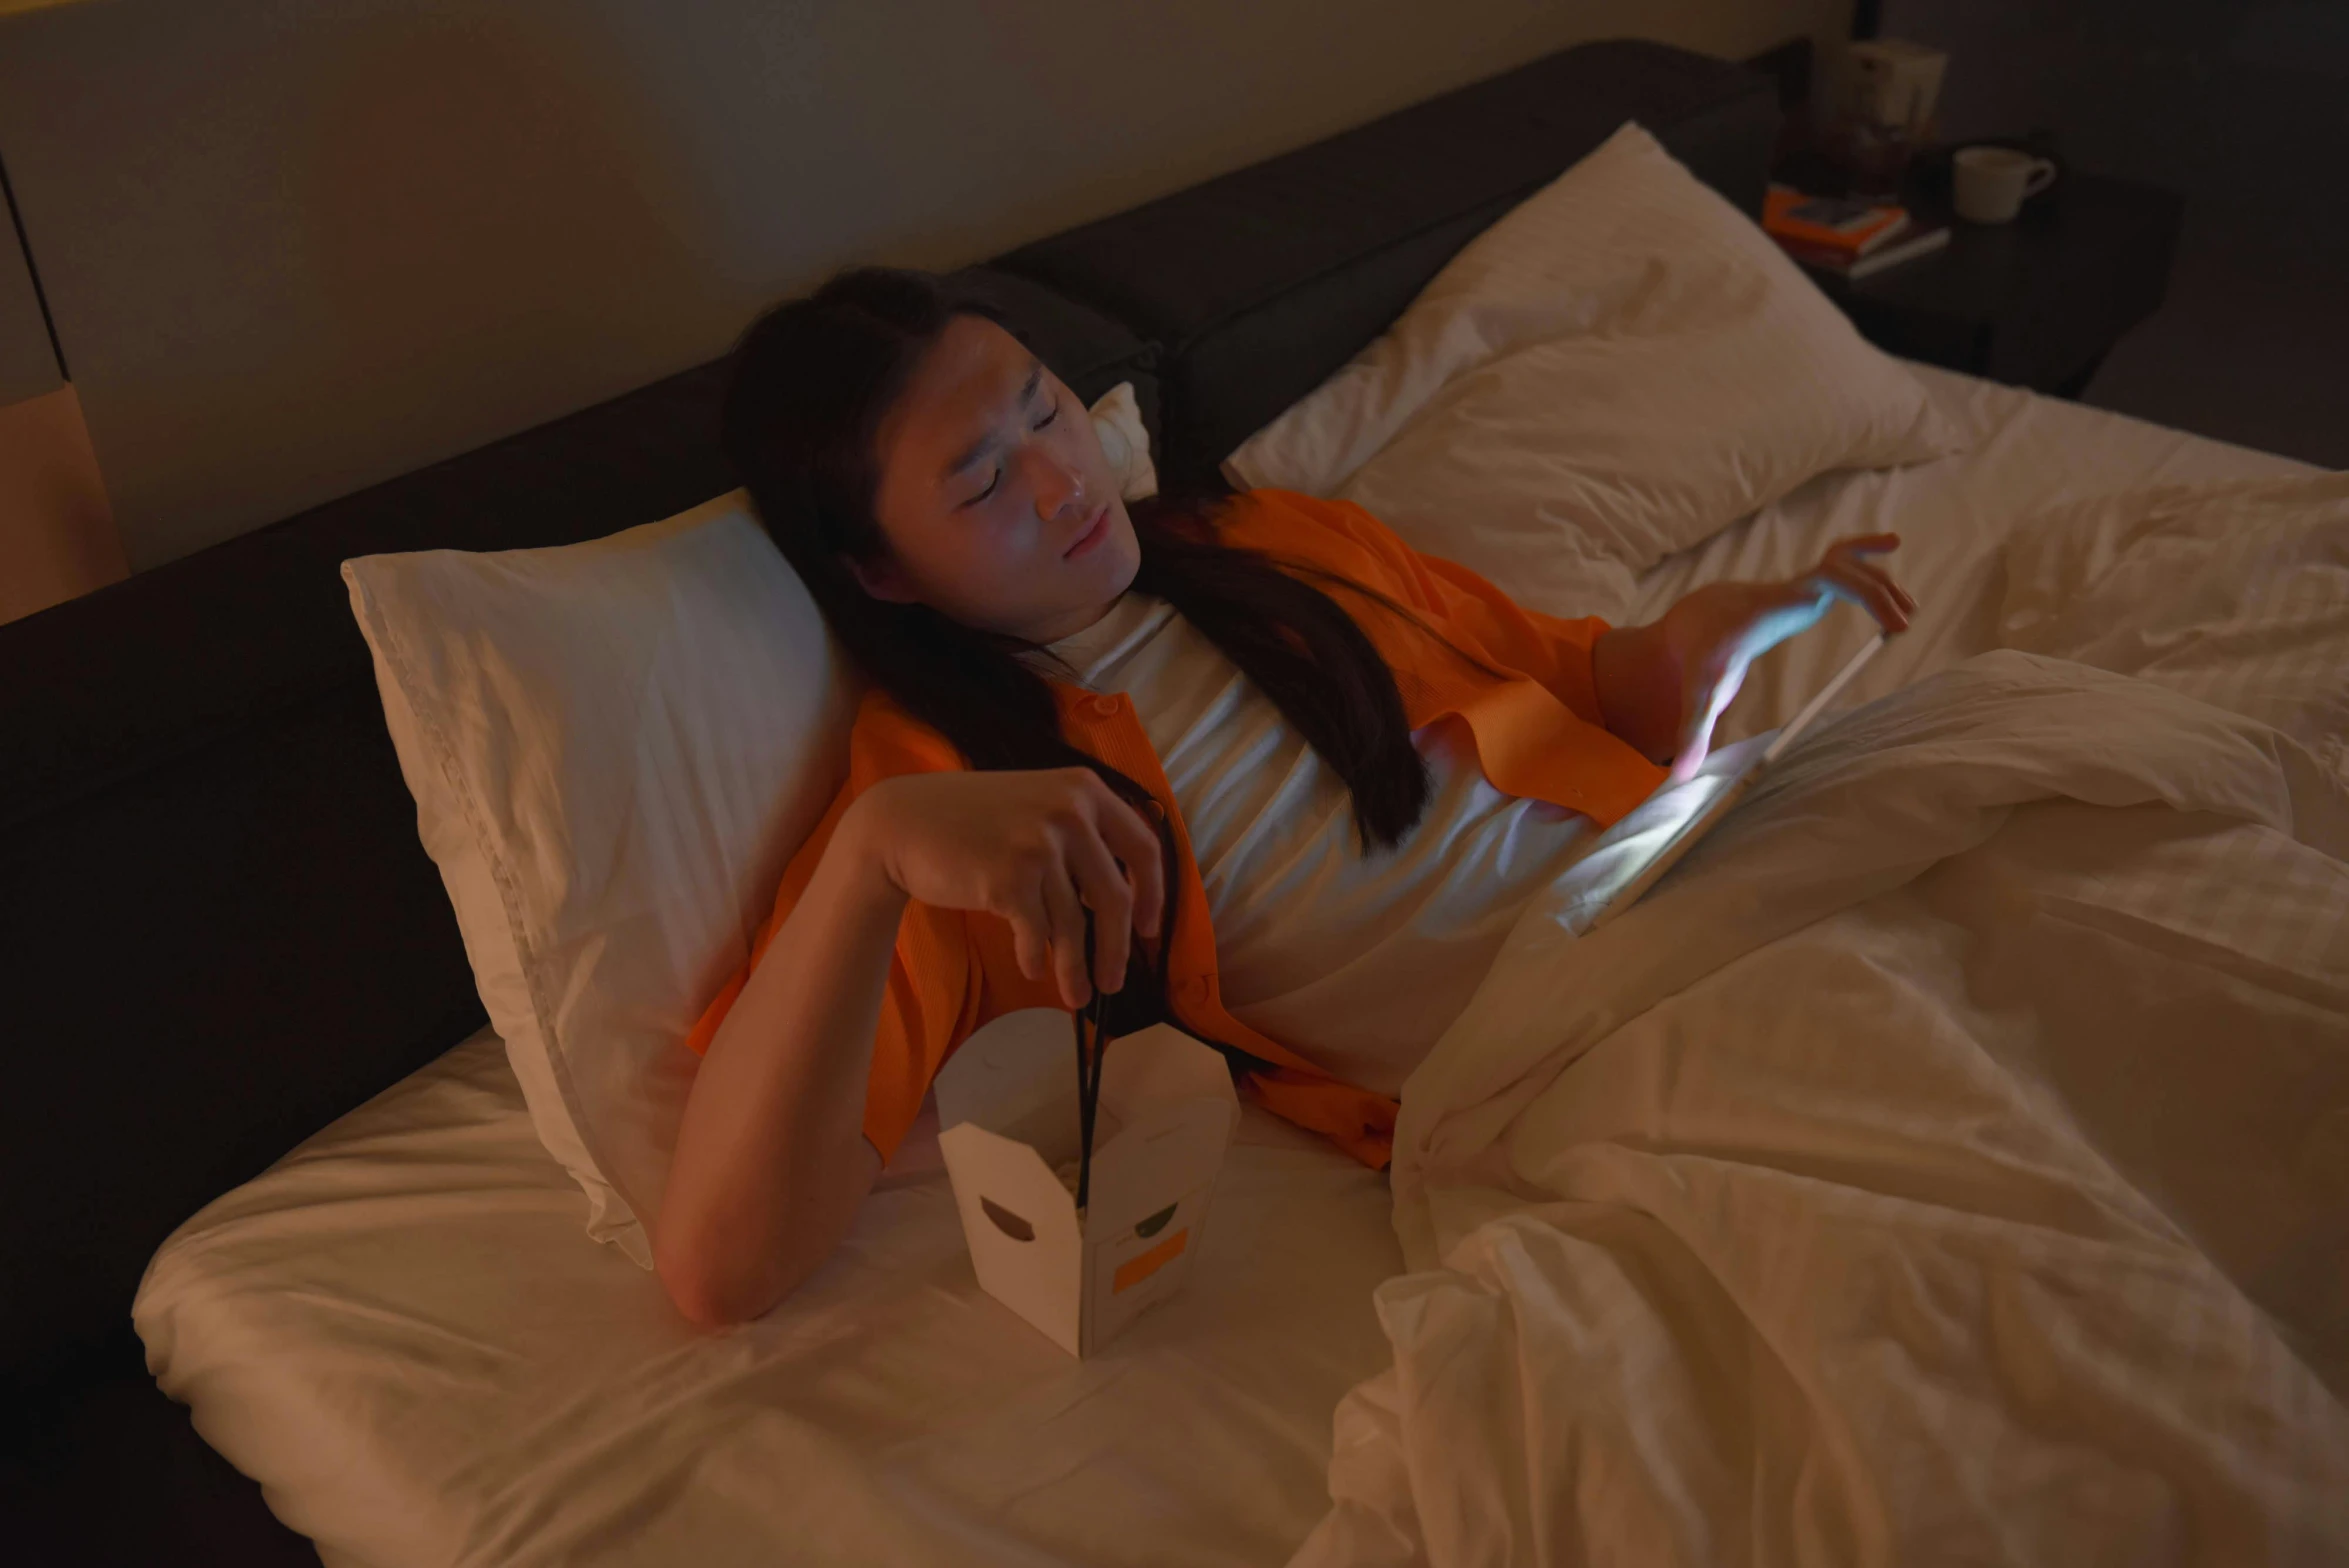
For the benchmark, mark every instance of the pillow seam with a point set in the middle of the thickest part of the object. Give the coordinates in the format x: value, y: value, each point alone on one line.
x: 501, y: 876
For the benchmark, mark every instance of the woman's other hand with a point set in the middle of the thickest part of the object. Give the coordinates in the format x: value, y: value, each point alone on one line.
x: 1663, y: 687
x: 1848, y: 571
x: 1037, y: 848
x: 1714, y: 635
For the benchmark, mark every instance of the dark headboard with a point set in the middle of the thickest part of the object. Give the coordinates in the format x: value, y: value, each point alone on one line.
x: 217, y: 929
x: 1257, y: 285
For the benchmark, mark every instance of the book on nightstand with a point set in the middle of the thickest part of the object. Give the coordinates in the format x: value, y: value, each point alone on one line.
x: 1914, y: 242
x: 1830, y: 223
x: 1840, y: 235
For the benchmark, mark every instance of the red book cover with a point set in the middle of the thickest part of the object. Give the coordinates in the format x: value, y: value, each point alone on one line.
x: 1829, y: 223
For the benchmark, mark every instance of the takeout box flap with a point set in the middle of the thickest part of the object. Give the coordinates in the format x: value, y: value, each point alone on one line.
x: 1017, y: 1077
x: 1021, y: 1225
x: 1161, y: 1064
x: 1155, y: 1159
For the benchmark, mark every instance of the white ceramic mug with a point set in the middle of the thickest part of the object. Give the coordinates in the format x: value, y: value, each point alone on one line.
x: 1991, y: 182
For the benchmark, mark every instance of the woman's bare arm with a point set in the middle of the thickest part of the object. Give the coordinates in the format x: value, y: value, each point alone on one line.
x: 771, y: 1160
x: 1639, y: 688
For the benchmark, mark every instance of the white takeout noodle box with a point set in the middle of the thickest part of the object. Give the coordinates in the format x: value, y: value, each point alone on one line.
x: 1007, y: 1101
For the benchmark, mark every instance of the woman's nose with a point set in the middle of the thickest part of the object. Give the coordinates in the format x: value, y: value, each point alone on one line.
x: 1057, y: 485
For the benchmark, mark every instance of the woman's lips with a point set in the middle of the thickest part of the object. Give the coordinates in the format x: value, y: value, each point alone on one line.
x: 1092, y: 536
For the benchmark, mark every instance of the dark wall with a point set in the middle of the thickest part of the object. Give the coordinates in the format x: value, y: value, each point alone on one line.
x: 2245, y: 109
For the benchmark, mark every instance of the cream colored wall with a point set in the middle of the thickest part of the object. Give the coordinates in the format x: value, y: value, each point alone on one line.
x: 292, y: 250
x: 28, y: 360
x: 57, y: 536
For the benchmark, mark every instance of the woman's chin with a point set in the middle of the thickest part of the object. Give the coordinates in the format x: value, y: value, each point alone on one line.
x: 1125, y: 559
x: 1123, y: 545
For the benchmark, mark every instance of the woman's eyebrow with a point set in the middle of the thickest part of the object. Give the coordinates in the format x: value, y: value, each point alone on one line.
x: 979, y: 448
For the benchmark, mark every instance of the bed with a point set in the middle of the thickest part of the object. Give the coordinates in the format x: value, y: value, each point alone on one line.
x: 451, y: 1376
x: 398, y: 1332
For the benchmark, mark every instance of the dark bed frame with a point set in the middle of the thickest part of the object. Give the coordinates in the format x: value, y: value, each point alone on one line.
x: 218, y: 931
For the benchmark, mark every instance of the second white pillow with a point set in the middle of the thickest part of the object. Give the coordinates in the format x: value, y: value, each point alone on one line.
x: 1617, y: 369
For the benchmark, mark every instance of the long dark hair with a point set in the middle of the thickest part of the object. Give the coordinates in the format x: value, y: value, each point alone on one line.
x: 811, y: 382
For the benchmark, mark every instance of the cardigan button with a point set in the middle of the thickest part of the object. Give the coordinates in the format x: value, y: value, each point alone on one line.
x: 1103, y: 707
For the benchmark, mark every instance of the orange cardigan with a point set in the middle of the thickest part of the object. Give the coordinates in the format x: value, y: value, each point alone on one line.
x: 1535, y: 725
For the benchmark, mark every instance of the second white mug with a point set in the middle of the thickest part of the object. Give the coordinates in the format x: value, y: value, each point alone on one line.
x: 1989, y: 184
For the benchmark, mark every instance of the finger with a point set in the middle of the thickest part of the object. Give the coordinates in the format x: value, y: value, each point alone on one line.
x: 1874, y: 591
x: 1135, y: 843
x: 1866, y: 544
x: 1103, y: 888
x: 1068, y: 935
x: 1883, y: 601
x: 1031, y: 930
x: 1877, y: 600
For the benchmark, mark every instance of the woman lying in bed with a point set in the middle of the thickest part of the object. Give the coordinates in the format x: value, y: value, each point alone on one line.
x: 1301, y: 777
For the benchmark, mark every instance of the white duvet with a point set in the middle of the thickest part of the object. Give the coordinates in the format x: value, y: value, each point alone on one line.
x: 1950, y: 1162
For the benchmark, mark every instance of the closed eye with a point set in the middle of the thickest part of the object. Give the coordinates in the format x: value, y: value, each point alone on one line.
x: 996, y: 478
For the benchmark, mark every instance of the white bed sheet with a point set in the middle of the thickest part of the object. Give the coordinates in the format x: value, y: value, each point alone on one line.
x: 399, y: 1331
x: 2026, y: 456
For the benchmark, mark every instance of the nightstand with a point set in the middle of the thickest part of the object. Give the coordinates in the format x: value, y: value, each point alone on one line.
x: 2037, y: 302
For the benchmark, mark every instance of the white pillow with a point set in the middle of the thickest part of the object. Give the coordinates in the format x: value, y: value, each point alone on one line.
x: 1125, y: 441
x: 1620, y: 367
x: 614, y: 748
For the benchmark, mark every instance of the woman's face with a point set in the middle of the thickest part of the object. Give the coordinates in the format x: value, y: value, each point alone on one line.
x: 997, y: 504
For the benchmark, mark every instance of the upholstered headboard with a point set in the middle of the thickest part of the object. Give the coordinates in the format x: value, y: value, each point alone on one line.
x: 1257, y: 285
x: 218, y: 930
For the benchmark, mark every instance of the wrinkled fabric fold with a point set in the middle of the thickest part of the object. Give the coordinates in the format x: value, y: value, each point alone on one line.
x: 1942, y: 1164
